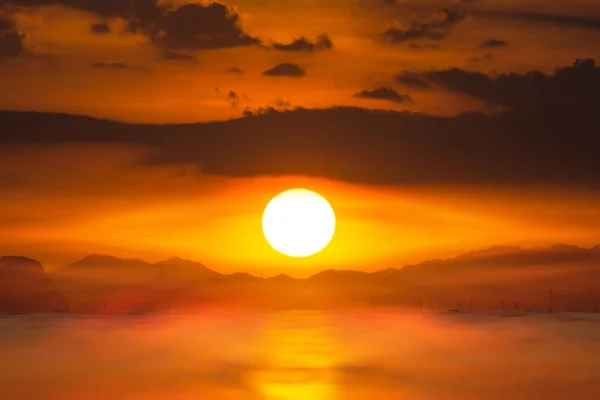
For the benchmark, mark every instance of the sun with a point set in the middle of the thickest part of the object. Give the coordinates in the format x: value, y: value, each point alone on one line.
x: 298, y: 222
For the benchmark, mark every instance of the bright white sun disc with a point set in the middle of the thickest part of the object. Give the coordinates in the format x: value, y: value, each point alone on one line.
x: 298, y: 222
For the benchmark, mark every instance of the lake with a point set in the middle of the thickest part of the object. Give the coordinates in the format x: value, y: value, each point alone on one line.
x: 301, y: 355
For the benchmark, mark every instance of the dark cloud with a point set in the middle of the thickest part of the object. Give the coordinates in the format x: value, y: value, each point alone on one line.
x: 400, y: 35
x: 235, y: 70
x: 448, y: 19
x: 112, y: 65
x: 197, y: 26
x: 351, y: 144
x: 412, y: 80
x: 11, y: 41
x: 171, y: 55
x: 190, y: 26
x: 383, y: 93
x: 574, y: 88
x: 100, y: 28
x: 435, y: 29
x: 255, y: 112
x: 494, y: 43
x: 128, y: 9
x: 592, y: 22
x: 285, y: 69
x: 418, y: 47
x: 278, y: 105
x: 118, y: 66
x: 233, y: 98
x: 303, y: 44
x: 282, y: 103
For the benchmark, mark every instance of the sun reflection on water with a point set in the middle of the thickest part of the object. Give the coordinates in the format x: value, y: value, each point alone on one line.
x: 300, y: 354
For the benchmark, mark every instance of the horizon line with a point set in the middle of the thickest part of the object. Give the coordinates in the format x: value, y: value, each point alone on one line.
x: 472, y: 252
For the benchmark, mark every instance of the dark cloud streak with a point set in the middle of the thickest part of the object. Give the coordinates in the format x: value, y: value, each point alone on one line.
x: 435, y: 29
x: 171, y: 55
x: 351, y: 144
x: 412, y: 80
x: 494, y: 43
x: 190, y: 26
x: 285, y: 69
x: 555, y: 19
x: 117, y: 66
x: 111, y: 65
x: 303, y: 44
x: 100, y: 28
x: 575, y: 88
x: 384, y: 93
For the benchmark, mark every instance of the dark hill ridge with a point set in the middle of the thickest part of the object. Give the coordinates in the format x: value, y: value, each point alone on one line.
x: 102, y: 282
x: 499, y: 256
x: 24, y: 287
x: 137, y: 269
x: 20, y: 264
x: 112, y: 284
x: 282, y: 278
x: 106, y: 260
x: 179, y: 267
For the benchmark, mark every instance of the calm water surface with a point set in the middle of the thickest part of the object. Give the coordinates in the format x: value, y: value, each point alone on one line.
x: 301, y: 355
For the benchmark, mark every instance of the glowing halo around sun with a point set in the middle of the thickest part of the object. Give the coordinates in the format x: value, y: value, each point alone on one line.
x: 298, y: 222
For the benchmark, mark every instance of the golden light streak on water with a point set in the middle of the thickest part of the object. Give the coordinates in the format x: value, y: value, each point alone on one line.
x: 300, y: 352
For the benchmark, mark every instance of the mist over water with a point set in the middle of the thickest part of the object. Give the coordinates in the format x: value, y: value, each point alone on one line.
x: 301, y: 355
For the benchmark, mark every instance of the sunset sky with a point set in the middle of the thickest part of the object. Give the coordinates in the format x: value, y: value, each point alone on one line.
x: 406, y: 187
x: 204, y: 62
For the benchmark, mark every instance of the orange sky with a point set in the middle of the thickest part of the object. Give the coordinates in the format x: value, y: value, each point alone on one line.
x: 55, y: 74
x: 67, y: 202
x: 64, y: 201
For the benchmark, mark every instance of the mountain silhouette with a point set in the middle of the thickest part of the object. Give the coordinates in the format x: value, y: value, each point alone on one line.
x: 485, y: 279
x: 499, y: 258
x: 24, y: 287
x: 181, y: 268
x: 99, y: 267
x: 282, y: 278
x: 101, y: 281
x: 134, y: 270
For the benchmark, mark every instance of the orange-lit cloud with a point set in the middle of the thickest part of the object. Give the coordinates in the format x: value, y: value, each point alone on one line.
x: 62, y: 39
